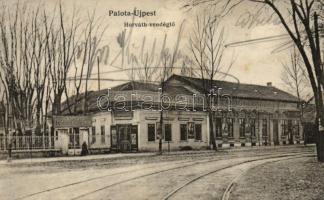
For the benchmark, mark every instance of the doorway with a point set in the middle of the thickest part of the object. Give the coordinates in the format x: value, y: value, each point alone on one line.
x: 124, y: 138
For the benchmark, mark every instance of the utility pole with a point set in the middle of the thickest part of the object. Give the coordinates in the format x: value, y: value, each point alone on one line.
x: 160, y: 128
x: 98, y: 73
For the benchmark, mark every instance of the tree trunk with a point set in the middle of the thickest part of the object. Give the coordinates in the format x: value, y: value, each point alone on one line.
x: 57, y: 104
x: 38, y: 114
x: 320, y: 137
x: 211, y: 130
x: 161, y: 131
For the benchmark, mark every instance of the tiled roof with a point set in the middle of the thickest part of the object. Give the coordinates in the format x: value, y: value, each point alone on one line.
x: 240, y: 90
x: 136, y: 85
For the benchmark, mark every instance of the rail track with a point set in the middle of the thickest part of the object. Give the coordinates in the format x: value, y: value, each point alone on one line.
x: 227, y: 192
x: 178, y: 165
x: 230, y: 186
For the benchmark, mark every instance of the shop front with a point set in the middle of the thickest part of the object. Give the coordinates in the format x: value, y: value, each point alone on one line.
x: 124, y: 138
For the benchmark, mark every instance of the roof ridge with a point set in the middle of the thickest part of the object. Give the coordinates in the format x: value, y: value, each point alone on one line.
x: 248, y: 84
x: 264, y: 88
x: 241, y: 83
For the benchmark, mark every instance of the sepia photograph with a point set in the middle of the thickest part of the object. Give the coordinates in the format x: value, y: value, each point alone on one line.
x: 161, y: 99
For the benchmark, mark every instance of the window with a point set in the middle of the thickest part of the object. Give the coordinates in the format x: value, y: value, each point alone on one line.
x: 151, y: 132
x: 74, y: 138
x: 264, y: 127
x: 295, y: 128
x: 93, y: 135
x: 103, y: 138
x: 134, y: 132
x: 183, y: 132
x: 56, y: 135
x: 167, y: 132
x: 252, y: 124
x: 71, y: 138
x: 230, y: 127
x: 113, y: 132
x: 218, y: 127
x: 191, y: 130
x: 197, y: 131
x: 242, y: 127
x: 290, y: 127
x: 284, y: 127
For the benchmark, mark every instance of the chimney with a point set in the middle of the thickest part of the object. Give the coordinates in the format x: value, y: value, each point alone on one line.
x: 269, y: 84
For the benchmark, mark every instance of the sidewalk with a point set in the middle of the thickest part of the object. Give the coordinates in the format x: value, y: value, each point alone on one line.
x: 72, y: 158
x: 143, y: 154
x: 96, y: 157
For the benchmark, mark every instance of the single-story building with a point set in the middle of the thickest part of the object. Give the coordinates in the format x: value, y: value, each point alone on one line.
x: 127, y: 118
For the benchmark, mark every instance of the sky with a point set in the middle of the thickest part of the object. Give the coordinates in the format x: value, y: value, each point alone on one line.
x: 254, y: 63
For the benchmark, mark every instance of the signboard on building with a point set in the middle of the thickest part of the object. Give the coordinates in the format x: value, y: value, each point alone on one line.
x: 123, y: 114
x: 71, y: 121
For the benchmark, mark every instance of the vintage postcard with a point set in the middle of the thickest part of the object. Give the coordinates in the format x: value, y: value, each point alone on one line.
x: 161, y: 99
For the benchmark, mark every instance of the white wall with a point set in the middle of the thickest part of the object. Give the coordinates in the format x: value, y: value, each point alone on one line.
x: 172, y: 117
x: 98, y: 120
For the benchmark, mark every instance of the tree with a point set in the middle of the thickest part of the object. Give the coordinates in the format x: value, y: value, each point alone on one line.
x: 207, y: 47
x: 18, y: 65
x: 166, y: 65
x: 296, y: 80
x: 38, y: 49
x: 146, y: 62
x: 294, y: 75
x: 300, y: 19
x: 63, y: 50
x: 188, y: 67
x: 90, y: 53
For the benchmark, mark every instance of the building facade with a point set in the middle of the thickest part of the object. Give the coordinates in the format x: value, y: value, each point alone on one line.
x: 127, y: 118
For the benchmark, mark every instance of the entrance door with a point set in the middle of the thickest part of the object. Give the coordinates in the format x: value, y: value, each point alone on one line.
x: 290, y: 132
x: 114, y: 138
x: 124, y: 132
x: 124, y: 138
x: 275, y: 132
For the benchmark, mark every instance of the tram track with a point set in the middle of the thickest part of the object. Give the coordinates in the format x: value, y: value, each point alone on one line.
x: 230, y: 186
x: 166, y: 170
x: 178, y: 165
x: 87, y: 180
x: 225, y: 195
